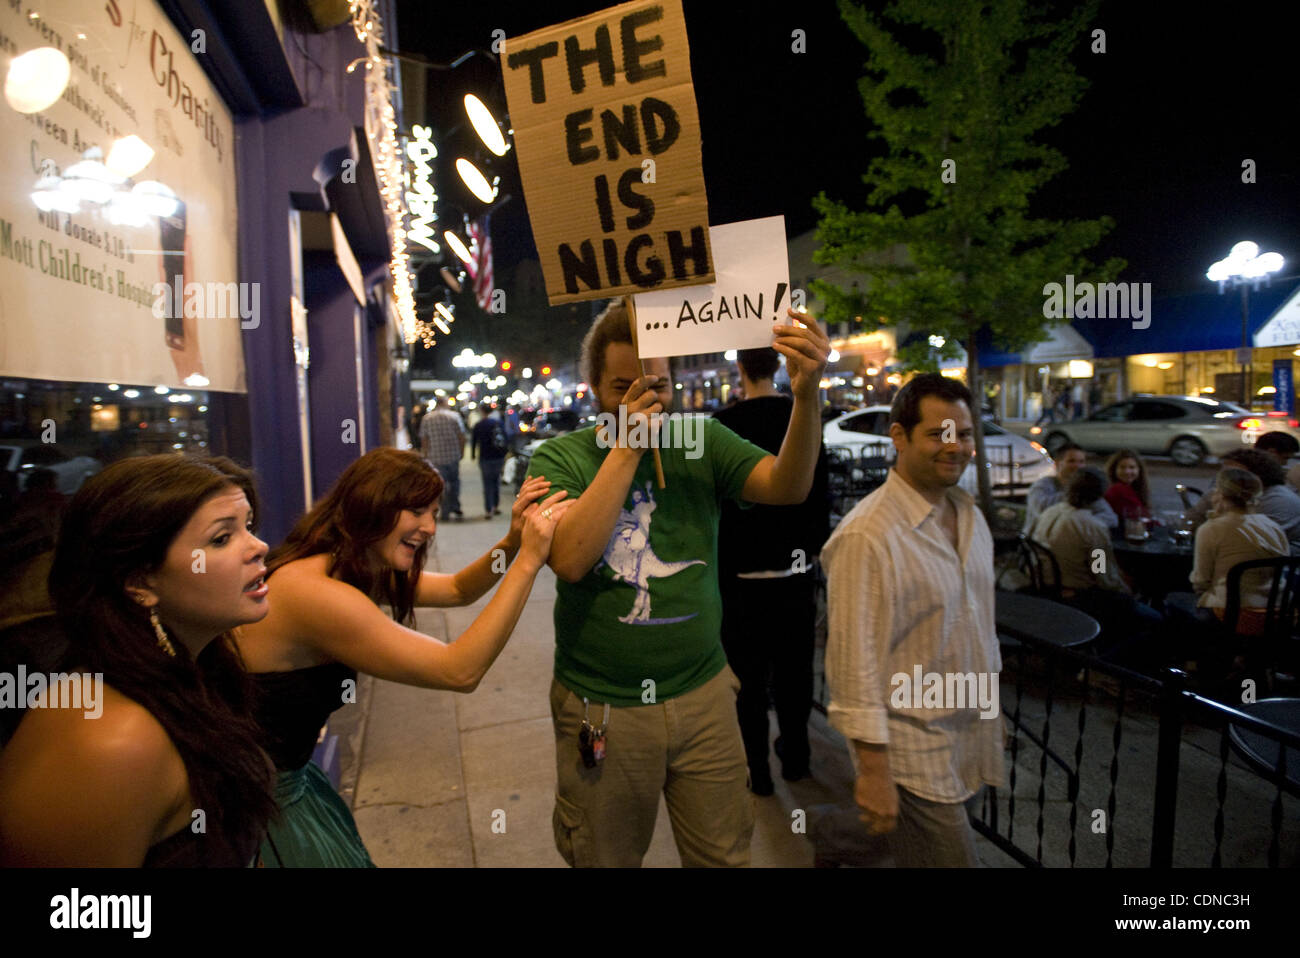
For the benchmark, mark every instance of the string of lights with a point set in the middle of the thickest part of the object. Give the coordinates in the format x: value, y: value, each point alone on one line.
x: 381, y: 130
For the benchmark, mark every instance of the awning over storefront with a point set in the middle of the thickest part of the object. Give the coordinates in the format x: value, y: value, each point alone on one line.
x: 1192, y: 322
x: 1064, y: 343
x: 1283, y: 327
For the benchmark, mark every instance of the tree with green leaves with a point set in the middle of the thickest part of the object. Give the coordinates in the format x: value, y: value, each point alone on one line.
x: 958, y: 90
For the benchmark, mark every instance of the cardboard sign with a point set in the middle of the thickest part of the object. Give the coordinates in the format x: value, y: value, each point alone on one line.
x: 752, y: 290
x: 608, y: 140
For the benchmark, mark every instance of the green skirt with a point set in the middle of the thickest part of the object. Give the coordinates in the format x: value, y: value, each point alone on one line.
x: 314, y: 829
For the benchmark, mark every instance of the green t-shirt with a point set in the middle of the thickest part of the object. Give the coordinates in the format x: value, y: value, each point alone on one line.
x: 650, y: 608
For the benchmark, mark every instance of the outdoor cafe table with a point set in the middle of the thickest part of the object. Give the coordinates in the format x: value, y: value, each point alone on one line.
x: 1030, y: 617
x: 1157, y: 566
x: 1262, y: 753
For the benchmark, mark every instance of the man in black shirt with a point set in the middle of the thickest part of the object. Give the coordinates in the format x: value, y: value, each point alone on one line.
x: 769, y: 612
x: 488, y: 442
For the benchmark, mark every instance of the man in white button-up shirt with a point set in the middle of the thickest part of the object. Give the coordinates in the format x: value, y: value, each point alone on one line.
x: 912, y: 658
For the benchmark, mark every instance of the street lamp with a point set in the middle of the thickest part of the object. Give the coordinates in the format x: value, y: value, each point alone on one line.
x: 1244, y: 267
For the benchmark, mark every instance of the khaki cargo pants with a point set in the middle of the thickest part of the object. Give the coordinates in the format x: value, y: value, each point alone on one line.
x: 687, y: 748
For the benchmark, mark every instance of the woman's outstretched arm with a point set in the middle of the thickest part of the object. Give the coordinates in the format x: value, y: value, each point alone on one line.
x: 450, y: 590
x: 340, y: 622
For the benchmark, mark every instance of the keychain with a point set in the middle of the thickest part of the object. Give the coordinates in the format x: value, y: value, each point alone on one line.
x: 592, y: 739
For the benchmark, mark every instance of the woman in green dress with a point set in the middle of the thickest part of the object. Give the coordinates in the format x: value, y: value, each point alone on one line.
x: 362, y: 545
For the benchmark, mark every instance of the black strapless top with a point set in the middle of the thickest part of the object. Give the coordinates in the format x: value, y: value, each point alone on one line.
x: 186, y: 849
x: 292, y: 706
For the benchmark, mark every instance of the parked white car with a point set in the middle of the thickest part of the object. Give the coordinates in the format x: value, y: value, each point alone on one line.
x: 1014, y: 463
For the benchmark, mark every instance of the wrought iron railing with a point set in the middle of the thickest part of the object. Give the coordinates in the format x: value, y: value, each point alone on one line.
x: 1111, y: 768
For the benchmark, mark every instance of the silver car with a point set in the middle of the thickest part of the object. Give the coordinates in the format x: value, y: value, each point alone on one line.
x: 1185, y: 428
x: 1014, y: 463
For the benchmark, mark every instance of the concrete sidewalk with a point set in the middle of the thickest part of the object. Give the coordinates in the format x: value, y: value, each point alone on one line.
x: 445, y: 779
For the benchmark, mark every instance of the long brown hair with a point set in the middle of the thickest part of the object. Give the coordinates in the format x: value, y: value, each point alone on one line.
x: 1139, y: 485
x: 361, y: 509
x: 119, y: 525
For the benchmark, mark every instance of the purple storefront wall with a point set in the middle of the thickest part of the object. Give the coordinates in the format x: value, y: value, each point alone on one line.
x: 276, y: 156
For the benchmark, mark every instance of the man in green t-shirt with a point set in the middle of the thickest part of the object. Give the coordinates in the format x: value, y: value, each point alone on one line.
x: 643, y: 701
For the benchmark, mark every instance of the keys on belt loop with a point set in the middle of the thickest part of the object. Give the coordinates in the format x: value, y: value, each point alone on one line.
x: 592, y: 739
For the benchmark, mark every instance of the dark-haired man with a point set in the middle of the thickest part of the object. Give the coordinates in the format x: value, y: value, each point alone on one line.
x: 769, y: 600
x: 1279, y: 501
x: 911, y: 594
x: 643, y: 702
x: 1282, y: 446
x: 1050, y: 490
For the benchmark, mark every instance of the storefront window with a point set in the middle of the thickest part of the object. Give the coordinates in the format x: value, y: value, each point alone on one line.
x: 75, y: 429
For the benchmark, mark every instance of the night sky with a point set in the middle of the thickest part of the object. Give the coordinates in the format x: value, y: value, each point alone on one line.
x: 1174, y: 106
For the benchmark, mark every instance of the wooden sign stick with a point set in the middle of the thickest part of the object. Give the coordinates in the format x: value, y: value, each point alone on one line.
x: 631, y: 320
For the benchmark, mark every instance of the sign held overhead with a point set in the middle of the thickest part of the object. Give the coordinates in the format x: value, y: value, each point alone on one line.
x: 608, y: 140
x: 750, y: 293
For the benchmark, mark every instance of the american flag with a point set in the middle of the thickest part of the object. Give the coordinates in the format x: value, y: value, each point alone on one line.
x: 480, y: 269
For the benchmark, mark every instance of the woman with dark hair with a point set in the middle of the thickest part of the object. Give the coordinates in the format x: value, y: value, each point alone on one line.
x: 362, y: 545
x: 156, y: 562
x: 1129, y: 494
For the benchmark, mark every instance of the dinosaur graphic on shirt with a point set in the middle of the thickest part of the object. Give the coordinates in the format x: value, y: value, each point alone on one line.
x: 631, y: 559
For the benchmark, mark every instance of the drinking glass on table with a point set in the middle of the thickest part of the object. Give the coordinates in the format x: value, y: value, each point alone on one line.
x: 1135, y: 528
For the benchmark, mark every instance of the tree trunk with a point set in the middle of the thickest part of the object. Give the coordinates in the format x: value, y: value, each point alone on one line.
x: 974, y: 382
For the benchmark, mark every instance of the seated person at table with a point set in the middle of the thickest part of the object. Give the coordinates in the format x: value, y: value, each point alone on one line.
x: 1279, y: 502
x: 1050, y: 490
x: 1293, y: 477
x: 1129, y: 494
x: 1235, y: 534
x: 1090, y: 576
x: 1282, y: 446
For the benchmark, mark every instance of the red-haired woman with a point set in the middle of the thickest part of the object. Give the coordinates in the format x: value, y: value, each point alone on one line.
x: 156, y: 562
x: 362, y: 545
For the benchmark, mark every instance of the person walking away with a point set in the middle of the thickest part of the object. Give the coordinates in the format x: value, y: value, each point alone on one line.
x: 488, y: 441
x: 442, y: 440
x: 769, y: 586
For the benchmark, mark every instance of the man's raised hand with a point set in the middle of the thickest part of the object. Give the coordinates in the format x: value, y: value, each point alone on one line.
x: 805, y: 347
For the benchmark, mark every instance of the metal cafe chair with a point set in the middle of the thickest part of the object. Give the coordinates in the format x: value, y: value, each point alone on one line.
x: 1269, y: 638
x: 1038, y: 564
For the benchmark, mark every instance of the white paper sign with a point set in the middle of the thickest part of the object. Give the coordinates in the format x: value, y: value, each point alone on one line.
x: 737, y: 311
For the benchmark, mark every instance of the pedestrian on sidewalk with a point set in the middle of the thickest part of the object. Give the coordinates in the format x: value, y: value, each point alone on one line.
x: 488, y: 440
x: 363, y: 544
x: 442, y: 439
x: 910, y: 594
x: 643, y: 701
x: 769, y: 586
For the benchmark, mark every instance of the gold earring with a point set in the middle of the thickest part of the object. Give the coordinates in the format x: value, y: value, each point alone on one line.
x: 164, y: 642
